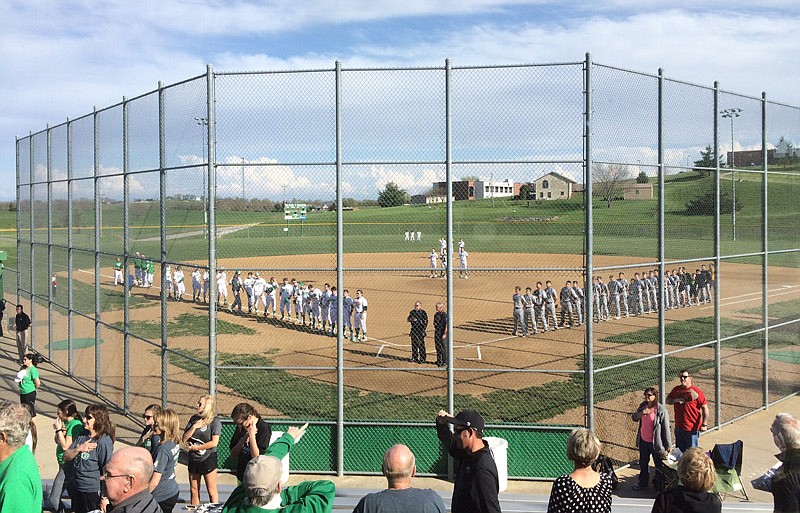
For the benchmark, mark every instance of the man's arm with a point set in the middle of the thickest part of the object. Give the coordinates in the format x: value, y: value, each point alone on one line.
x: 308, y: 497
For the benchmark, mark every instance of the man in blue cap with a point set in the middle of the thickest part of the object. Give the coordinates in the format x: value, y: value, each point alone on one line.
x: 476, y: 484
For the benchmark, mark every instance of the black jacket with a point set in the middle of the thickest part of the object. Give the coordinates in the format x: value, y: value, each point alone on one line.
x: 22, y: 321
x: 142, y: 502
x: 786, y: 483
x: 476, y: 485
x: 681, y: 500
x: 419, y: 322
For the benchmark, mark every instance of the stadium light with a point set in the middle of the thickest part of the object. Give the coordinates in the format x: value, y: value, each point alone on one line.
x: 731, y: 114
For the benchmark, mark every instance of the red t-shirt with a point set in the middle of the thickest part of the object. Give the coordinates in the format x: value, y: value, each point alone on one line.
x: 687, y: 414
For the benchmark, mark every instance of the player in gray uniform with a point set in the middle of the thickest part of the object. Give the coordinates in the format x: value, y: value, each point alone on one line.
x: 623, y: 289
x: 605, y: 314
x: 636, y: 289
x: 706, y: 292
x: 248, y: 289
x: 530, y: 315
x: 347, y: 312
x: 539, y: 298
x: 578, y: 300
x: 443, y: 273
x: 566, y: 297
x: 325, y: 306
x: 647, y: 293
x: 286, y: 299
x: 654, y: 289
x: 333, y: 310
x: 519, y: 312
x: 551, y: 297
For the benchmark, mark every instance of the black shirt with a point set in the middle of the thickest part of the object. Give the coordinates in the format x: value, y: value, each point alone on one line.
x: 262, y: 439
x: 419, y: 322
x: 440, y: 322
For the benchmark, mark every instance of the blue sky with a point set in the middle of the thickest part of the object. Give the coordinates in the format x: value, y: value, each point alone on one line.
x: 62, y: 58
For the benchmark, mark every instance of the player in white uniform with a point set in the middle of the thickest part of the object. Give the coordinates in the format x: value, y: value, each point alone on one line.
x: 315, y: 300
x: 411, y: 235
x: 180, y: 286
x: 270, y: 295
x: 259, y: 284
x: 118, y: 273
x: 406, y: 239
x: 286, y: 298
x: 360, y: 315
x: 170, y: 289
x: 433, y: 259
x: 299, y: 302
x: 222, y: 287
x: 462, y: 259
x: 247, y: 283
x: 419, y: 236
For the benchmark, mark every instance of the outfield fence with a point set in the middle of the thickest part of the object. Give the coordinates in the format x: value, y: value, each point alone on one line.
x: 564, y: 171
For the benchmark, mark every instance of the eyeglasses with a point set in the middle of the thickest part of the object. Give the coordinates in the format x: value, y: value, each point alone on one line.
x: 649, y: 395
x: 106, y: 475
x: 685, y: 377
x: 147, y: 417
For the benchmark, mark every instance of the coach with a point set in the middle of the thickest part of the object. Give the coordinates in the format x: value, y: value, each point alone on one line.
x: 419, y: 323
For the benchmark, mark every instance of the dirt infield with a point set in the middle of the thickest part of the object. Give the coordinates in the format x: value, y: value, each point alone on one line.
x: 487, y: 357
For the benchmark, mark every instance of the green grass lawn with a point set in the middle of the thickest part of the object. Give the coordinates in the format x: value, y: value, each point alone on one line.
x: 184, y: 325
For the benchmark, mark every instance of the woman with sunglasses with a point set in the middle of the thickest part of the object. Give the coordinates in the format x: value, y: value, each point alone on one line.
x: 201, y: 437
x: 163, y: 485
x: 86, y: 457
x: 149, y: 439
x: 29, y: 382
x: 652, y: 438
x: 68, y: 426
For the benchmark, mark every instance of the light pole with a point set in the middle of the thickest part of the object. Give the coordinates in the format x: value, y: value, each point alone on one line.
x: 203, y: 122
x: 732, y: 113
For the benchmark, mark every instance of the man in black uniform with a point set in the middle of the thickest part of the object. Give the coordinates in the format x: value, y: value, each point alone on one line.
x: 440, y: 335
x: 476, y: 484
x: 419, y: 323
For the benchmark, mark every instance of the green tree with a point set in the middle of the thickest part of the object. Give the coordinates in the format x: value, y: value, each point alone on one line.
x: 703, y: 205
x: 642, y: 178
x: 392, y: 196
x: 706, y: 161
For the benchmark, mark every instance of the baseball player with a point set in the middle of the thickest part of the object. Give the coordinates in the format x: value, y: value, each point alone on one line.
x: 137, y: 271
x: 286, y: 298
x: 578, y: 300
x: 462, y: 258
x: 530, y: 315
x: 222, y: 287
x: 406, y: 239
x: 170, y: 288
x: 151, y: 270
x: 550, y: 304
x: 360, y: 315
x: 443, y: 272
x: 247, y: 283
x: 180, y: 286
x: 197, y: 287
x: 271, y: 296
x: 623, y: 288
x: 259, y: 284
x: 636, y: 290
x: 333, y: 313
x: 118, y: 272
x: 566, y: 296
x: 236, y: 288
x: 433, y: 259
x: 315, y: 313
x: 442, y: 246
x: 325, y: 306
x: 605, y: 314
x: 539, y: 298
x: 520, y: 329
x: 298, y: 300
x: 347, y: 312
x: 411, y: 235
x: 419, y: 236
x: 206, y: 285
x: 706, y: 291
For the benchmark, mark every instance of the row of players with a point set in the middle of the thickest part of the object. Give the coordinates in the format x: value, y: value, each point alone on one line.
x: 641, y: 295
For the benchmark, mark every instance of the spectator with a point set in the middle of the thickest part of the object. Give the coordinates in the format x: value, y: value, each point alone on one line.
x: 29, y: 382
x: 2, y: 314
x: 22, y: 322
x: 584, y: 489
x: 652, y: 437
x: 163, y: 485
x: 476, y: 484
x: 127, y: 476
x: 691, y: 412
x: 251, y: 438
x: 399, y: 469
x: 201, y: 437
x: 148, y: 439
x: 261, y: 490
x: 786, y: 483
x: 440, y: 335
x: 697, y: 477
x: 86, y: 458
x: 20, y: 482
x: 68, y: 426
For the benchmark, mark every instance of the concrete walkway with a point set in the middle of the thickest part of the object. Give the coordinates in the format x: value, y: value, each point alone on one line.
x: 759, y: 450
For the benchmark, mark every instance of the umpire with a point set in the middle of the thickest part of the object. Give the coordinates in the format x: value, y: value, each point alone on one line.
x: 419, y: 323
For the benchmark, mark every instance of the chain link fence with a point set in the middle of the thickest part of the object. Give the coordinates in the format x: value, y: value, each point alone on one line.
x: 265, y: 237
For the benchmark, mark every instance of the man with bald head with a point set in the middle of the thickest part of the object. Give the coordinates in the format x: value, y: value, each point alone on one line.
x: 261, y: 490
x: 399, y: 468
x: 126, y: 481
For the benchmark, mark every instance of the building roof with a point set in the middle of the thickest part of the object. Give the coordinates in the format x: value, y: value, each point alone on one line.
x: 557, y: 175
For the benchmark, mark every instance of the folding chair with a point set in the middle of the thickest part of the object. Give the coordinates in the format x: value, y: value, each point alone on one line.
x: 727, y: 460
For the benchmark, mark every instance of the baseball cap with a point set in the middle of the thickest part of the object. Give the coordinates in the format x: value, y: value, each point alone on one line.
x: 262, y: 472
x: 468, y: 418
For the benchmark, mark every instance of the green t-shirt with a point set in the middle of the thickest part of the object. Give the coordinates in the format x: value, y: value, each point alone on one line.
x: 26, y: 386
x: 74, y: 428
x: 118, y: 266
x: 20, y: 483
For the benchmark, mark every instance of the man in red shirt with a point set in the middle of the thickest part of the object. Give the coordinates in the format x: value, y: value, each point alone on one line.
x: 691, y: 412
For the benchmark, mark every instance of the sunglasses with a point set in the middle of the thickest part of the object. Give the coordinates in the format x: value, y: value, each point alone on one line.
x: 684, y: 377
x: 106, y: 475
x: 88, y: 417
x: 147, y: 417
x: 649, y: 395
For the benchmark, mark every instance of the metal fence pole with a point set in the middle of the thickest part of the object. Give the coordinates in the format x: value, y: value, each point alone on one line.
x: 339, y: 279
x: 19, y: 227
x: 70, y: 254
x: 162, y: 221
x: 765, y: 249
x: 662, y: 361
x: 449, y: 236
x: 589, y: 239
x: 126, y: 303
x: 97, y: 206
x: 50, y: 241
x: 212, y: 231
x: 31, y: 248
x: 717, y: 252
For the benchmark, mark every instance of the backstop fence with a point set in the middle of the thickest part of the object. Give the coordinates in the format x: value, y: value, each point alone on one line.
x: 370, y: 179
